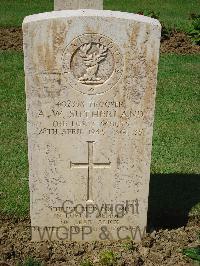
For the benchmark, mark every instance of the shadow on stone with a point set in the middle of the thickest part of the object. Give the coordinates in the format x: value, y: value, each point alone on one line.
x: 171, y: 197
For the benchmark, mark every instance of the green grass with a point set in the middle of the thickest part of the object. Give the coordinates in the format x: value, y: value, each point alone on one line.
x: 176, y: 131
x: 176, y: 139
x: 12, y: 12
x: 30, y: 262
x: 13, y: 150
x: 108, y: 258
x: 174, y: 13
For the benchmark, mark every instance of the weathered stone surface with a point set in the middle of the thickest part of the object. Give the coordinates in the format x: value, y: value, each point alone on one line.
x: 90, y: 87
x: 78, y: 4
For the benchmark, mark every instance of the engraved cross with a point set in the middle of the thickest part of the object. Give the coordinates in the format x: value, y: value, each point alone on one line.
x: 90, y: 165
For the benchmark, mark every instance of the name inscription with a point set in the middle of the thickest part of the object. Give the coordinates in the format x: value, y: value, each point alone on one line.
x: 72, y: 117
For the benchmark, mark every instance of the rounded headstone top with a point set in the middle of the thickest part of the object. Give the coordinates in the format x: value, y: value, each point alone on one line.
x: 91, y: 13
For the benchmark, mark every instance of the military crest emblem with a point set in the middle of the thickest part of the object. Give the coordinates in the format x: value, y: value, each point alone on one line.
x: 92, y: 64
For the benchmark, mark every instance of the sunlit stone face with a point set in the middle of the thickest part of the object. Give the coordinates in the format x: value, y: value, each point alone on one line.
x: 90, y: 87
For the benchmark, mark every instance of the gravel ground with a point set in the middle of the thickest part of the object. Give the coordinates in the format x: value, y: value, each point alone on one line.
x: 158, y: 248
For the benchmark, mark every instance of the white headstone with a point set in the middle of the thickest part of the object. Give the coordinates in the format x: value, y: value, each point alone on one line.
x: 90, y: 87
x: 78, y: 4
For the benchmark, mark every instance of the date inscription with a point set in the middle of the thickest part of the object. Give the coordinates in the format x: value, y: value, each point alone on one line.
x: 72, y: 117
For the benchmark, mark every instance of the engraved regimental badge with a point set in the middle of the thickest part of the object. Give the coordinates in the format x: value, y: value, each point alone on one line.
x: 92, y: 64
